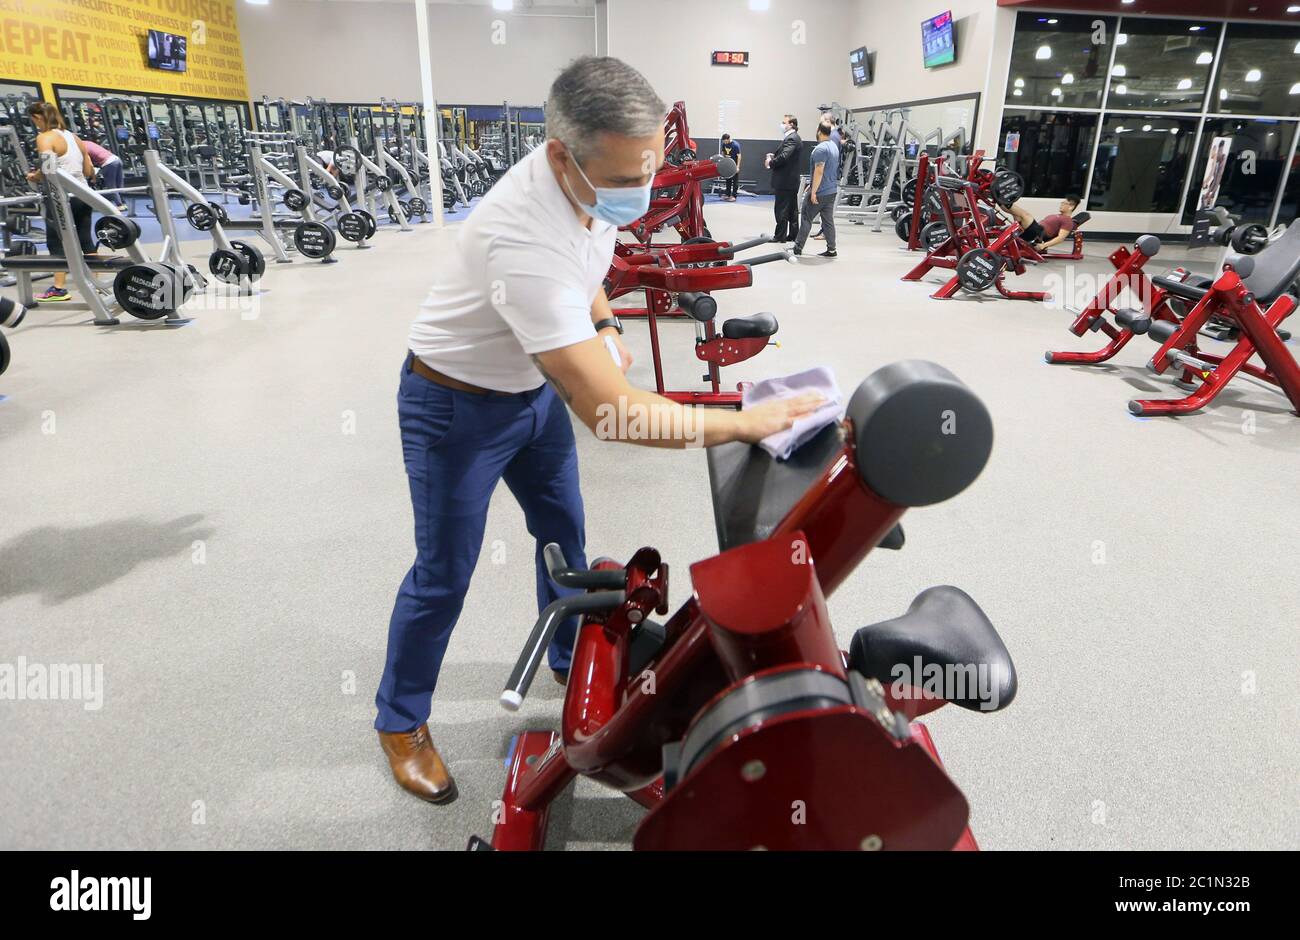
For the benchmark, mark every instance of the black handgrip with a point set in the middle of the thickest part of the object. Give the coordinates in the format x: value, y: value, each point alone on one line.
x: 731, y: 250
x: 612, y: 579
x: 521, y: 677
x: 700, y: 306
x: 767, y: 259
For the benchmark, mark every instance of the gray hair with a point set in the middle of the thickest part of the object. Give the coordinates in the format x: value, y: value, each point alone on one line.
x: 595, y: 95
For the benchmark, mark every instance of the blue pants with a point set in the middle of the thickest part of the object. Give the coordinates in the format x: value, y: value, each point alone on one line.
x: 457, y: 446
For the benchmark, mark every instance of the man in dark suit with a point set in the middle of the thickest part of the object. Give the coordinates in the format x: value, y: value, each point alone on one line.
x: 786, y: 166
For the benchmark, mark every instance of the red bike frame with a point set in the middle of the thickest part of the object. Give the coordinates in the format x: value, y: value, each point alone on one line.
x: 615, y: 727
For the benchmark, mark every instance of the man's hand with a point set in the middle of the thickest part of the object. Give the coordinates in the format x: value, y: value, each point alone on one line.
x: 762, y: 422
x: 814, y: 200
x: 34, y: 176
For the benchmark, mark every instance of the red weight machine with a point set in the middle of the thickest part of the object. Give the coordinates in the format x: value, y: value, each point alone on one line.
x: 1245, y: 305
x: 678, y: 282
x: 677, y: 193
x: 677, y: 200
x: 741, y: 702
x: 977, y: 260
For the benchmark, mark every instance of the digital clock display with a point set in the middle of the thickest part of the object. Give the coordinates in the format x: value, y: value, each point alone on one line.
x: 731, y: 58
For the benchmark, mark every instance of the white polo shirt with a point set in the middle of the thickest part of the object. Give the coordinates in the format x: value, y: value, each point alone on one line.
x: 525, y: 275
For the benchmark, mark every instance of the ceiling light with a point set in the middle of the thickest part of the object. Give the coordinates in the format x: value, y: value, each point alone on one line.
x: 1295, y: 89
x: 502, y: 4
x: 1020, y: 83
x: 1017, y: 93
x: 1052, y: 22
x: 1184, y: 84
x: 1205, y: 58
x: 1254, y: 75
x: 1044, y: 52
x: 1120, y: 129
x: 1173, y: 130
x: 1121, y: 89
x: 1119, y: 71
x: 1223, y: 94
x: 1195, y: 29
x: 1293, y: 9
x: 1146, y: 128
x: 259, y: 3
x: 1067, y: 78
x: 759, y: 5
x: 1056, y: 92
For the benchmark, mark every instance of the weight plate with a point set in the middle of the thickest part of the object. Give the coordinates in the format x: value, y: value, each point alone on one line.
x: 201, y: 217
x: 334, y: 192
x: 228, y: 266
x: 5, y: 356
x: 979, y: 268
x: 383, y: 184
x: 116, y: 232
x: 909, y: 191
x: 934, y: 235
x: 295, y: 200
x: 1007, y: 188
x: 903, y: 226
x: 256, y: 263
x: 372, y: 225
x: 933, y: 200
x: 353, y: 227
x: 149, y: 291
x: 314, y: 240
x: 416, y: 206
x: 347, y: 160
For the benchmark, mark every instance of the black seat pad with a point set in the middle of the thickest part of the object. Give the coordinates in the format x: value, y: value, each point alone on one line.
x: 751, y: 327
x: 943, y: 627
x: 1081, y: 219
x: 752, y: 492
x: 1276, y: 267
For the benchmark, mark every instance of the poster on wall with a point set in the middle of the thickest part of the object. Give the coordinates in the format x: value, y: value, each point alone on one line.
x: 105, y: 44
x: 1013, y: 142
x: 1220, y: 149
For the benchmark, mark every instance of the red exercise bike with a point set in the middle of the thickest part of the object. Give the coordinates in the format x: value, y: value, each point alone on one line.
x: 738, y: 722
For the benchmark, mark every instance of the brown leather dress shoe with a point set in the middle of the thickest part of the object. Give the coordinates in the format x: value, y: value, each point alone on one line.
x: 417, y: 767
x: 561, y: 677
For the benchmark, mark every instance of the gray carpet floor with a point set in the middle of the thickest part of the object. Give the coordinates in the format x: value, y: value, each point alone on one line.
x: 218, y: 515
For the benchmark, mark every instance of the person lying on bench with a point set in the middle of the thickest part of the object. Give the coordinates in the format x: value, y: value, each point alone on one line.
x: 1051, y: 230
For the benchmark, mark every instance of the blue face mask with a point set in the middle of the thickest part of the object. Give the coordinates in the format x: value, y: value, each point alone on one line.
x: 616, y: 206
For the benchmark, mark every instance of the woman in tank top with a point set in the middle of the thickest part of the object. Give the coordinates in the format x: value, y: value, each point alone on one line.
x: 53, y: 136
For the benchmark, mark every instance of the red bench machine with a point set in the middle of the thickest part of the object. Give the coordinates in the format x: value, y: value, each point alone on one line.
x: 977, y: 261
x: 1246, y: 304
x: 677, y: 282
x: 742, y: 701
x: 677, y: 198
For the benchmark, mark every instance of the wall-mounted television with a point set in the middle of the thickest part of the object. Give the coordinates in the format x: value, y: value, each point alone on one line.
x: 166, y: 51
x: 860, y: 63
x: 938, y: 43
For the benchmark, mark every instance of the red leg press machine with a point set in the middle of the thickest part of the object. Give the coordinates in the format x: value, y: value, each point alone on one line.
x: 738, y: 722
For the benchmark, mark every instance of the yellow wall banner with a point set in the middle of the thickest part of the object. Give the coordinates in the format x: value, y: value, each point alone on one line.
x: 101, y: 44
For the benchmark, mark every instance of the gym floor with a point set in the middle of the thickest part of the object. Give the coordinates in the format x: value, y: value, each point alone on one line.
x: 218, y: 514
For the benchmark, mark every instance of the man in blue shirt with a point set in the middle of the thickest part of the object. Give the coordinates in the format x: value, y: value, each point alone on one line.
x: 822, y: 193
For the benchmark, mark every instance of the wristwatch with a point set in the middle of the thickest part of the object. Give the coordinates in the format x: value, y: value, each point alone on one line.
x: 611, y: 323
